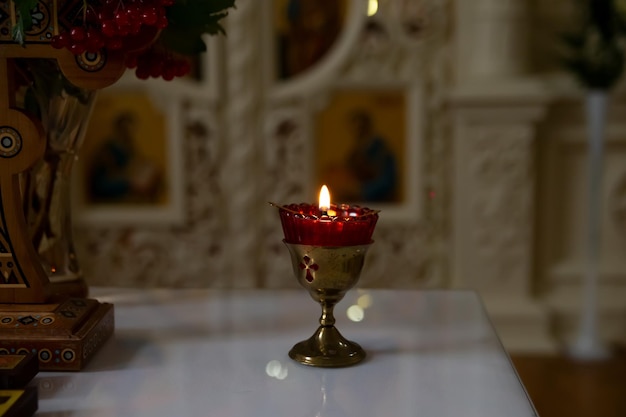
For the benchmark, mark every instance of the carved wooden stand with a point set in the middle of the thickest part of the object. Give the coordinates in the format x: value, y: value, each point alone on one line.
x: 35, y: 316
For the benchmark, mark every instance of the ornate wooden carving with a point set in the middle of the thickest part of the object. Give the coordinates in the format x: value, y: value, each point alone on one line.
x: 22, y: 143
x: 33, y: 316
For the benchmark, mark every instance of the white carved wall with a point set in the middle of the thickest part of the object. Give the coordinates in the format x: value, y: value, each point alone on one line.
x: 562, y: 246
x: 250, y: 143
x: 495, y: 154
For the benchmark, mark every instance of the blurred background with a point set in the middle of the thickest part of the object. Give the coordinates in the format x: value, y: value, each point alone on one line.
x: 477, y: 131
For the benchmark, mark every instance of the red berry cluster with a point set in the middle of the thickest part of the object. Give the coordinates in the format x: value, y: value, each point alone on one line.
x: 114, y: 24
x: 155, y: 62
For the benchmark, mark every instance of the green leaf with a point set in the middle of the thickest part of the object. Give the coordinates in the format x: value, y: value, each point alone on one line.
x: 24, y: 9
x: 24, y: 19
x: 18, y: 33
x: 573, y: 40
x: 197, y: 13
x: 183, y: 42
x: 595, y: 53
x: 189, y: 20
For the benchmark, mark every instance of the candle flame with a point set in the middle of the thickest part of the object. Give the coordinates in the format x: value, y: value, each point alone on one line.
x: 372, y: 7
x: 324, y: 198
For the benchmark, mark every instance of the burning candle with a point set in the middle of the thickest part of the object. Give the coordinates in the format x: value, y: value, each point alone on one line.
x: 324, y: 200
x: 327, y: 224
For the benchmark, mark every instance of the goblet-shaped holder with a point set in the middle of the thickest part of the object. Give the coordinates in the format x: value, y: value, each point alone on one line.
x: 327, y: 273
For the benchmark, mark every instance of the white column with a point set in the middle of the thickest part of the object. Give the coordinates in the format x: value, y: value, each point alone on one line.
x: 491, y: 39
x: 493, y: 208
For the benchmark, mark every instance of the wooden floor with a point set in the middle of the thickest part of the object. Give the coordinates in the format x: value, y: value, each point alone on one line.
x: 561, y: 387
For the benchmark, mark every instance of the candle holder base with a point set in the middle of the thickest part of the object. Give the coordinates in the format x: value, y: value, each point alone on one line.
x: 327, y: 348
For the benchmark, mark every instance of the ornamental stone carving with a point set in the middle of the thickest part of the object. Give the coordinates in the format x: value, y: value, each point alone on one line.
x: 412, y: 251
x: 500, y: 205
x: 189, y: 255
x: 249, y: 142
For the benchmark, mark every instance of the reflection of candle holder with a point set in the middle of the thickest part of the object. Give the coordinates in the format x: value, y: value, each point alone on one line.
x: 327, y: 256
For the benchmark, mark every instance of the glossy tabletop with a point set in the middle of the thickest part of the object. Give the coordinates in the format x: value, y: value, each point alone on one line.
x: 224, y: 353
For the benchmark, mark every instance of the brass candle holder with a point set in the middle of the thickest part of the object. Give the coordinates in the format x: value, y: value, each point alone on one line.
x: 327, y: 273
x: 327, y: 244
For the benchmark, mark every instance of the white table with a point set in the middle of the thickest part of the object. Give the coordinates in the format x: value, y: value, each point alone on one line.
x: 223, y: 353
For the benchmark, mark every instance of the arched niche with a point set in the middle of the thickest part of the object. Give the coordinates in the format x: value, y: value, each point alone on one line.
x: 323, y: 70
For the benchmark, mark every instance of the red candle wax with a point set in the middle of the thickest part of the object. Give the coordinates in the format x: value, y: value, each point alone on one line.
x: 305, y: 224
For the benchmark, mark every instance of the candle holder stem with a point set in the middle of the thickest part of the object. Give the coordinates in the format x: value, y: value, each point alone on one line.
x: 327, y: 319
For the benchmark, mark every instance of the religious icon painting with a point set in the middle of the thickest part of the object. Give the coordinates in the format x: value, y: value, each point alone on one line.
x: 305, y: 31
x: 129, y: 164
x: 367, y: 144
